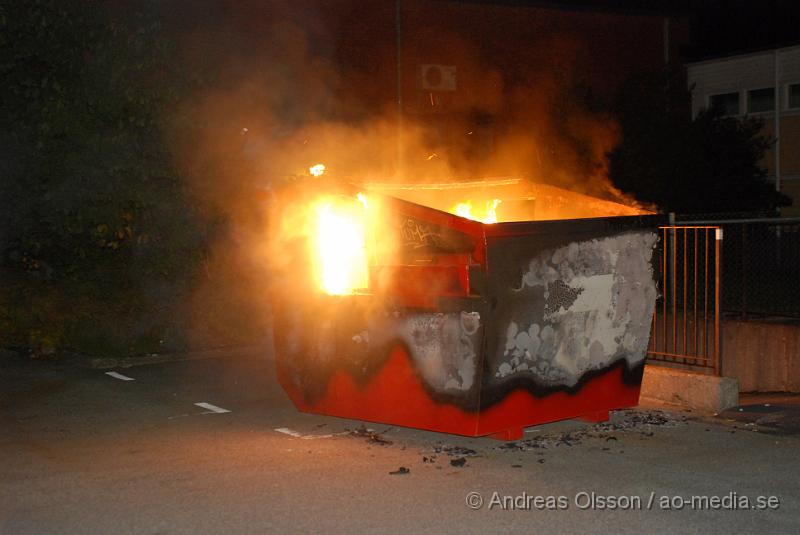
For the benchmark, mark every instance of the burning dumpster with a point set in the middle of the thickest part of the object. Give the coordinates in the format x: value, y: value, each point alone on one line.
x: 400, y: 313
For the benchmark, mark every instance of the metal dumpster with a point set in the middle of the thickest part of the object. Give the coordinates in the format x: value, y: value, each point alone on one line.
x: 471, y: 328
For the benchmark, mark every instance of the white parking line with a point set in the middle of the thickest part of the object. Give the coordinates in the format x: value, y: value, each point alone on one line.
x: 211, y: 408
x: 295, y: 434
x: 119, y: 376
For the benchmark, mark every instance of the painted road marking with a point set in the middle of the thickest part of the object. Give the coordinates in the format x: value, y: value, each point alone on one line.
x: 295, y: 434
x: 119, y: 376
x: 211, y: 408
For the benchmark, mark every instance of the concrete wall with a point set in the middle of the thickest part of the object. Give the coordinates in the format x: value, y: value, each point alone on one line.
x: 764, y: 356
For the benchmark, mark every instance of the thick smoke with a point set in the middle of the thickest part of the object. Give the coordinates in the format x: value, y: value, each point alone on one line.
x: 282, y: 86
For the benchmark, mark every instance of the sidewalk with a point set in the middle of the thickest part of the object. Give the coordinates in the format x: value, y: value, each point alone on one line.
x: 775, y: 412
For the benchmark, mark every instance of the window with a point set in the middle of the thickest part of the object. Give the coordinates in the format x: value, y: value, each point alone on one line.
x: 761, y: 100
x: 793, y: 100
x: 727, y: 103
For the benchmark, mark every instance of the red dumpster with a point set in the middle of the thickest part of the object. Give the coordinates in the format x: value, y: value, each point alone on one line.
x: 466, y: 327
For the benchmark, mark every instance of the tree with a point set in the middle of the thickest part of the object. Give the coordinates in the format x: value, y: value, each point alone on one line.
x: 92, y: 212
x: 707, y: 164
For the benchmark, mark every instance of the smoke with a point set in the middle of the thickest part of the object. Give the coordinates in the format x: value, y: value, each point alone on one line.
x: 285, y: 85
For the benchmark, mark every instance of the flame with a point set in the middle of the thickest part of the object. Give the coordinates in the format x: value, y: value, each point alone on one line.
x: 339, y: 245
x: 487, y: 215
x: 317, y: 169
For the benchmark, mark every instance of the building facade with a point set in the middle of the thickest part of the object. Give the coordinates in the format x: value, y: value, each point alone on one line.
x: 763, y: 84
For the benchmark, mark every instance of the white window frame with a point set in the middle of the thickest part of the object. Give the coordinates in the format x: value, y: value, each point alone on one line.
x: 718, y: 93
x: 759, y: 113
x: 785, y: 96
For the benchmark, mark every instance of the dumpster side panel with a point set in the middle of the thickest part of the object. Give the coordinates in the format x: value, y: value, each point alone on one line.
x: 570, y: 322
x: 415, y: 368
x: 409, y: 352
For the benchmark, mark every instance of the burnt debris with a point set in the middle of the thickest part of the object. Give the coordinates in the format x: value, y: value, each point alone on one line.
x: 372, y: 436
x: 455, y: 451
x: 640, y: 423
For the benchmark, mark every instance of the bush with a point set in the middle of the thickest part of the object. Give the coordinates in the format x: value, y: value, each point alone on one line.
x: 97, y: 230
x: 707, y: 164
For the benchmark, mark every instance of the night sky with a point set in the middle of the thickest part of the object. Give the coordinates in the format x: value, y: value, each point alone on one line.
x: 717, y: 26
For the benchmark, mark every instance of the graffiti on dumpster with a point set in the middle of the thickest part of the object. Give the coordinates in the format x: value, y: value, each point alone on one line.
x: 420, y: 235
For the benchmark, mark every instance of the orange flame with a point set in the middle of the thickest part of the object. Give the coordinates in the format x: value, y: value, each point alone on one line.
x: 339, y: 245
x: 487, y: 215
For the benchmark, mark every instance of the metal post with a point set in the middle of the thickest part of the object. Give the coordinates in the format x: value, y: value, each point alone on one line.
x: 674, y: 234
x: 694, y: 300
x: 685, y: 287
x: 744, y: 257
x: 705, y: 299
x: 776, y: 65
x: 717, y: 293
x: 665, y: 290
x: 399, y: 36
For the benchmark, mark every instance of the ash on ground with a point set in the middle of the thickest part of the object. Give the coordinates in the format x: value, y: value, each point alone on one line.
x: 637, y: 422
x: 372, y: 436
x: 457, y: 454
x: 454, y: 451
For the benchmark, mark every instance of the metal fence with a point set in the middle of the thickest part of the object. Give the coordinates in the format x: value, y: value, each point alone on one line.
x: 686, y: 321
x: 761, y: 272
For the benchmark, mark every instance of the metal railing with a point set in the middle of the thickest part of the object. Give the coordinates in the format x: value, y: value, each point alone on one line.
x: 761, y: 272
x: 686, y: 321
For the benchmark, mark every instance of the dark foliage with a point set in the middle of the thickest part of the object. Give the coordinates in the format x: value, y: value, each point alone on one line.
x: 95, y: 230
x: 709, y: 164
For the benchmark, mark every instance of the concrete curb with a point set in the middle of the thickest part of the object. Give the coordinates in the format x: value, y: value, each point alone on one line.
x: 697, y: 391
x: 100, y: 363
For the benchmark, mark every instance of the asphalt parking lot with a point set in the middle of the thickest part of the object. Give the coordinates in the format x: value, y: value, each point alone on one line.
x: 212, y: 446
